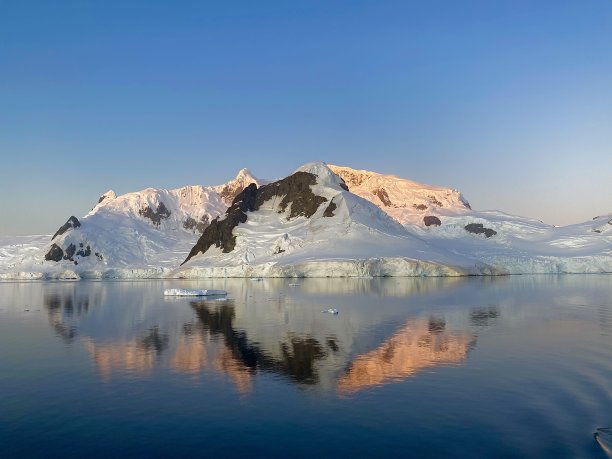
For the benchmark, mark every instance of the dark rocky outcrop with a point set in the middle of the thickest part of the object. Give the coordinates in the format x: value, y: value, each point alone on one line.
x: 69, y: 253
x: 72, y: 222
x: 84, y: 252
x: 478, y: 228
x: 157, y: 215
x: 420, y: 206
x: 229, y: 193
x: 329, y: 211
x: 55, y: 253
x: 219, y: 232
x: 434, y: 201
x: 382, y: 194
x: 294, y: 190
x: 196, y: 226
x: 431, y: 220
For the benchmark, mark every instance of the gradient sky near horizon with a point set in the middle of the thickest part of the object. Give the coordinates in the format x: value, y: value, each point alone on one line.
x: 508, y: 101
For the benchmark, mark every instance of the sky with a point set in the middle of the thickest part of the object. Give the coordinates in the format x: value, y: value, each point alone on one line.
x: 508, y: 101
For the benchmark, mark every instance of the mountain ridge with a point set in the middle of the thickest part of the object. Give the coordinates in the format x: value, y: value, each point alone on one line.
x: 344, y: 222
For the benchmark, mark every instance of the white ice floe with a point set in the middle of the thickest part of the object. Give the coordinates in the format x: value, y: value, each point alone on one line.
x: 191, y: 292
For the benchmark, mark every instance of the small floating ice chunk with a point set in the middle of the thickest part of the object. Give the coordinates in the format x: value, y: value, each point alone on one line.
x: 330, y: 311
x: 257, y: 279
x: 190, y: 292
x: 294, y: 285
x: 604, y: 438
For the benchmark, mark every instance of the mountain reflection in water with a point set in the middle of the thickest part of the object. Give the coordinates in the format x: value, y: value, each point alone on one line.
x: 137, y: 356
x: 418, y: 345
x: 265, y: 372
x: 311, y: 350
x: 297, y: 353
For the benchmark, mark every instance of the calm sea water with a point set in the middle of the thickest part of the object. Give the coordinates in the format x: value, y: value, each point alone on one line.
x: 509, y: 367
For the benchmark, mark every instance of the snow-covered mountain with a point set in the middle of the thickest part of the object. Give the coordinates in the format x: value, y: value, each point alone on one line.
x: 508, y: 244
x: 308, y: 224
x: 321, y: 220
x: 144, y: 233
x: 407, y: 201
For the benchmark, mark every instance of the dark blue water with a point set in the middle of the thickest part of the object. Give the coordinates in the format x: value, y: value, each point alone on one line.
x: 509, y: 367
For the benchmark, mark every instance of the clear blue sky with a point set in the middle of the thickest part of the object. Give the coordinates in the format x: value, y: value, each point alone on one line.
x: 508, y: 101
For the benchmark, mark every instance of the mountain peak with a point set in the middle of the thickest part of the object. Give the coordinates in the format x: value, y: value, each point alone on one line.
x: 325, y: 176
x: 110, y: 194
x: 228, y: 191
x: 245, y: 173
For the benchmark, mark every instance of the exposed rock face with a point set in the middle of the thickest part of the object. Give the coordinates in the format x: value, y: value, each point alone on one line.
x: 478, y: 228
x: 155, y: 216
x: 84, y: 252
x: 219, y: 232
x: 329, y: 212
x: 435, y: 201
x: 420, y: 206
x: 381, y: 194
x: 70, y: 251
x: 110, y: 194
x: 232, y: 189
x: 72, y: 222
x: 55, y: 253
x: 294, y: 189
x: 351, y: 178
x: 196, y: 226
x: 228, y: 193
x: 431, y: 220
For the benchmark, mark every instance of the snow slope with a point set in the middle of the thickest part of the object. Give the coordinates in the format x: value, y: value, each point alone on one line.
x: 520, y: 246
x: 406, y: 201
x: 16, y: 253
x: 526, y: 246
x: 139, y: 234
x: 357, y: 239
